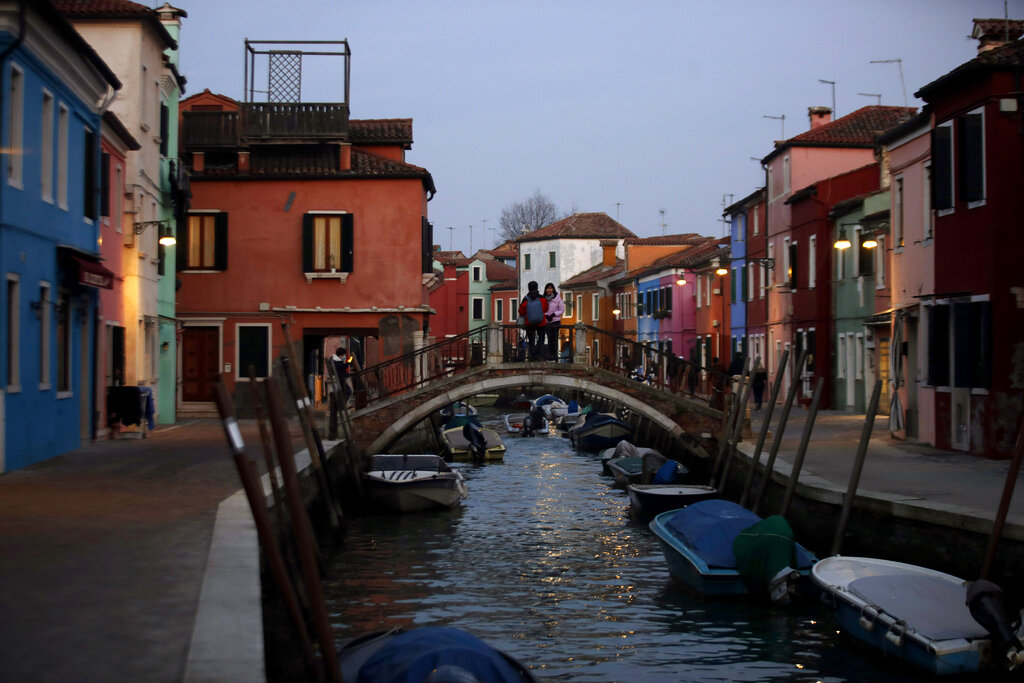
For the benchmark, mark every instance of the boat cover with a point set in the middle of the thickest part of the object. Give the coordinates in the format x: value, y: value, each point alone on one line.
x: 411, y: 656
x: 573, y: 407
x: 668, y: 473
x: 765, y: 549
x: 709, y: 527
x: 546, y: 399
x: 934, y: 607
x: 461, y: 421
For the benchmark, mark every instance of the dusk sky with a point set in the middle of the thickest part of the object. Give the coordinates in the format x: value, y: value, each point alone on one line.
x: 629, y: 108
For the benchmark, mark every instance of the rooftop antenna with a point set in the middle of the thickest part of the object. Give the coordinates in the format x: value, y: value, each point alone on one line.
x: 726, y: 201
x: 485, y: 229
x: 835, y: 114
x: 878, y: 96
x: 493, y: 231
x: 778, y: 118
x: 899, y: 62
x: 617, y: 205
x: 664, y: 225
x: 450, y: 233
x: 470, y: 240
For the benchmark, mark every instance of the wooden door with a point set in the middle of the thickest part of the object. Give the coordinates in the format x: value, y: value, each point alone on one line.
x: 200, y: 362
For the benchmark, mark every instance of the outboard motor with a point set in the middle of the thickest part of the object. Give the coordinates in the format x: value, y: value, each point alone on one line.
x: 989, y: 607
x: 477, y: 442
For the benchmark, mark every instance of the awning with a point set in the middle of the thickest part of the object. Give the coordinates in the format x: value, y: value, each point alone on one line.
x: 91, y: 273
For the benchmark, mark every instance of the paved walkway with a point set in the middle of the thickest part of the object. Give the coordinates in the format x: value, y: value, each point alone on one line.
x: 104, y: 552
x: 917, y: 474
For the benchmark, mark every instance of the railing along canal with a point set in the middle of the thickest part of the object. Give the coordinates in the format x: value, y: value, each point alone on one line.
x: 580, y: 344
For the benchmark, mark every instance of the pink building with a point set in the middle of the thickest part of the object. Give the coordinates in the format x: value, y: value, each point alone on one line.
x: 912, y: 277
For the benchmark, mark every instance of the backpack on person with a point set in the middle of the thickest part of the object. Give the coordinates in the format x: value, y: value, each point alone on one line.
x: 534, y: 311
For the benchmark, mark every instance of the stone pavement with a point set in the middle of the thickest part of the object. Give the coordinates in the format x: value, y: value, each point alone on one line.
x: 918, y: 475
x: 104, y: 552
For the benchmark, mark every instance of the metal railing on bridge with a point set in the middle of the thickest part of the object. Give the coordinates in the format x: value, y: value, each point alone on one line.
x: 580, y: 344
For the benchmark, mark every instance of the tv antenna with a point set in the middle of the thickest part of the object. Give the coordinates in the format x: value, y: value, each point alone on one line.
x: 878, y: 96
x: 898, y: 62
x: 778, y: 118
x: 664, y: 225
x: 835, y: 115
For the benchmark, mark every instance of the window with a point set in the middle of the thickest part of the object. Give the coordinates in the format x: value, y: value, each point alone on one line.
x: 476, y: 273
x: 62, y: 157
x: 865, y: 256
x: 499, y: 310
x: 595, y: 309
x: 579, y: 307
x: 46, y: 149
x: 971, y: 149
x: 327, y: 241
x: 526, y: 261
x: 812, y: 266
x: 551, y: 259
x: 794, y: 265
x: 841, y: 358
x: 757, y: 221
x: 513, y: 309
x: 118, y: 194
x: 785, y: 174
x: 771, y: 255
x: 45, y: 308
x: 426, y: 246
x: 841, y: 264
x: 942, y: 167
x: 164, y: 128
x: 858, y: 357
x: 787, y: 263
x: 90, y: 188
x: 478, y: 308
x: 938, y: 345
x: 13, y: 333
x: 732, y: 285
x: 253, y: 350
x: 16, y: 126
x: 64, y: 343
x: 751, y: 273
x: 897, y: 211
x: 206, y: 242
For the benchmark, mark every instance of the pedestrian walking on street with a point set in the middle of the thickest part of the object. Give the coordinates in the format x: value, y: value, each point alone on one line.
x: 553, y: 321
x: 533, y: 309
x: 758, y: 384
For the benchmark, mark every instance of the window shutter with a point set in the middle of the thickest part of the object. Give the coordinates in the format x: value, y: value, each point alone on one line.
x: 668, y: 298
x: 220, y: 241
x: 105, y: 184
x: 971, y: 158
x: 963, y: 360
x: 867, y: 258
x: 181, y: 263
x: 981, y: 344
x: 89, y: 208
x: 793, y: 263
x: 164, y: 128
x: 942, y: 186
x: 938, y: 346
x: 347, y: 245
x: 427, y: 239
x: 307, y: 243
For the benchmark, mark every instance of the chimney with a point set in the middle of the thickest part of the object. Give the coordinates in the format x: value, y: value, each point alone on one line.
x: 993, y: 33
x: 345, y: 157
x: 819, y: 116
x: 243, y: 162
x: 608, y: 248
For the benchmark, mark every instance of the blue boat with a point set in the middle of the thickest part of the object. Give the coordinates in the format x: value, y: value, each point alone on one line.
x: 699, y: 542
x: 924, y: 617
x: 596, y: 431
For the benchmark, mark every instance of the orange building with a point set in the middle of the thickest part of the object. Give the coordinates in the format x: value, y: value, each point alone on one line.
x: 301, y: 216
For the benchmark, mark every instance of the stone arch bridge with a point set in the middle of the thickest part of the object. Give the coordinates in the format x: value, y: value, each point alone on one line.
x: 675, y: 420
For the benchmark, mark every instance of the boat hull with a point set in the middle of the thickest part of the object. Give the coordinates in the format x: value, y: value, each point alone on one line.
x: 599, y: 434
x: 894, y: 633
x: 412, y: 483
x: 458, y: 447
x: 649, y: 500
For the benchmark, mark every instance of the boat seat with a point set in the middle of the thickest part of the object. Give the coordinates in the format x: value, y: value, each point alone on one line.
x: 935, y: 608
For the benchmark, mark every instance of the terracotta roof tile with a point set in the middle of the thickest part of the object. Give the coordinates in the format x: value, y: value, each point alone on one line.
x: 580, y: 226
x: 593, y: 274
x: 857, y: 129
x: 500, y: 272
x: 448, y: 256
x: 666, y: 240
x: 380, y: 131
x: 1003, y: 57
x: 76, y: 10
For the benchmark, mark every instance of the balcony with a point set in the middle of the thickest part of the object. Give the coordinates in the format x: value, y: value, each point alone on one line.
x: 265, y: 122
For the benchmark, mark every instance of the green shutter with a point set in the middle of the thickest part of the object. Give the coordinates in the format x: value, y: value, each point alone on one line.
x: 220, y: 242
x: 347, y: 245
x: 307, y: 243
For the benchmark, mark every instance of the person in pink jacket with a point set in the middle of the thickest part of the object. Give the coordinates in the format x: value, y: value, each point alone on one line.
x: 552, y: 321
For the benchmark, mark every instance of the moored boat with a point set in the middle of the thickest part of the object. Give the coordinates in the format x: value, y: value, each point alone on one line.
x: 595, y: 431
x: 719, y: 548
x: 456, y: 409
x: 649, y: 500
x: 409, y: 483
x: 459, y: 446
x: 515, y: 422
x: 482, y: 400
x: 552, y: 405
x: 917, y: 614
x: 440, y: 653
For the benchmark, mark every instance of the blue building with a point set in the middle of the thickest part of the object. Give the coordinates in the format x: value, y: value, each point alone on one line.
x: 53, y: 91
x: 736, y: 216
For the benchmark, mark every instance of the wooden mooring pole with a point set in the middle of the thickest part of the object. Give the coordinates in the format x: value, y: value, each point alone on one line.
x: 801, y: 451
x: 765, y: 426
x: 1004, y: 502
x: 737, y: 429
x: 780, y: 429
x: 858, y: 466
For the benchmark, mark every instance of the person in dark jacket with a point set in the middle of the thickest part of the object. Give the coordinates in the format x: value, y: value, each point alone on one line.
x: 534, y: 328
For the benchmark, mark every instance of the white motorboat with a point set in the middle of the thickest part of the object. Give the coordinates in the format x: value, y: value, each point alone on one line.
x: 408, y: 483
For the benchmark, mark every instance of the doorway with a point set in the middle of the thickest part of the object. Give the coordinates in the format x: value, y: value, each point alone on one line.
x: 200, y: 363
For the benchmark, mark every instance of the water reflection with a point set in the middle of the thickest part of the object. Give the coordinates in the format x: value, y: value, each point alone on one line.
x: 544, y: 561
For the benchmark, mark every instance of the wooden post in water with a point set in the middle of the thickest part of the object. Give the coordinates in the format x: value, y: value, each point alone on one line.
x: 1004, y: 502
x: 302, y: 530
x: 801, y: 451
x: 268, y: 446
x: 780, y: 429
x: 723, y: 440
x: 264, y: 529
x: 858, y: 466
x: 737, y: 429
x: 765, y: 425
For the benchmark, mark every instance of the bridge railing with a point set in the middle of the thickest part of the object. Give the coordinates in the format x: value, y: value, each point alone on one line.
x: 497, y: 343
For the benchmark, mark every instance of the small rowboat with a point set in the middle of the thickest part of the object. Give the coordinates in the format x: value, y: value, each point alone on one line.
x: 514, y: 423
x: 649, y: 500
x: 409, y: 483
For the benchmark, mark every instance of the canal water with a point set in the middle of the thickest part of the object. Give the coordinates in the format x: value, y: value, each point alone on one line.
x: 545, y: 561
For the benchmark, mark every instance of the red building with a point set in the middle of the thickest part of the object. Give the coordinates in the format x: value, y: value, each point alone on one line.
x: 301, y: 216
x: 975, y: 318
x: 810, y: 272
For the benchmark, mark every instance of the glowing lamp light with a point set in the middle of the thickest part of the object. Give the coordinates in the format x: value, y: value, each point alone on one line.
x: 842, y: 242
x: 616, y: 312
x: 869, y: 243
x: 167, y: 236
x: 681, y: 281
x: 721, y: 270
